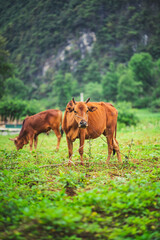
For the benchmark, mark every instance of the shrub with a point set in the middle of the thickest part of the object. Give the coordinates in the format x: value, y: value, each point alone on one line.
x: 32, y: 107
x: 17, y: 108
x: 155, y: 105
x: 126, y: 114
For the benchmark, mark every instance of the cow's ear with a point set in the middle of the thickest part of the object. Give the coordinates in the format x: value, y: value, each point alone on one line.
x: 70, y: 109
x: 13, y: 139
x: 70, y: 106
x: 92, y: 108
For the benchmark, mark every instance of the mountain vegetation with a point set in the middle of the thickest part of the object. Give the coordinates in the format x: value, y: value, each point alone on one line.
x: 109, y: 50
x: 51, y: 51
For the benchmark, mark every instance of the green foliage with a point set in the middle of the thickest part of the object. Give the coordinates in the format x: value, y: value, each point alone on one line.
x: 64, y: 87
x: 92, y: 73
x: 94, y: 214
x: 109, y: 84
x: 155, y: 101
x: 16, y: 109
x: 128, y: 88
x: 72, y: 179
x: 155, y: 105
x: 126, y: 114
x: 124, y: 32
x: 32, y: 107
x: 6, y: 69
x: 12, y: 109
x: 122, y: 28
x: 94, y: 91
x: 142, y: 65
x: 107, y: 202
x: 82, y: 68
x: 15, y: 88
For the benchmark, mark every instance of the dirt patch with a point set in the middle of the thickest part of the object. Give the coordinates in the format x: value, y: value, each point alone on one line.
x: 70, y: 191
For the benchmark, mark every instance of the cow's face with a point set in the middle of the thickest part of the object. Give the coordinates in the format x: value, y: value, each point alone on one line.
x: 19, y: 142
x: 81, y: 110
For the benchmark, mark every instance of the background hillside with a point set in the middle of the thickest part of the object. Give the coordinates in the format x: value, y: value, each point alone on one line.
x: 108, y: 49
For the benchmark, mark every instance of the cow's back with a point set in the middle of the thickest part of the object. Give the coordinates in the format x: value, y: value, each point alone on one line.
x: 96, y: 120
x: 43, y: 121
x: 53, y: 117
x: 111, y: 115
x: 101, y: 120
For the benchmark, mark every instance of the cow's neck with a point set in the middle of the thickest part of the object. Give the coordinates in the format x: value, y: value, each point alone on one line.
x: 72, y: 128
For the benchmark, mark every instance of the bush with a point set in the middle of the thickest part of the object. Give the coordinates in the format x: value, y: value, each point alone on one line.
x: 17, y: 109
x: 126, y: 114
x: 142, y: 102
x: 12, y: 109
x: 155, y: 105
x: 32, y: 107
x: 124, y: 212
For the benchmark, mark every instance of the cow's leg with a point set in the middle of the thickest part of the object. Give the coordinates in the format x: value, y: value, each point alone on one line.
x: 70, y: 150
x: 116, y: 148
x: 31, y: 141
x: 110, y: 147
x: 58, y: 135
x: 35, y: 141
x: 82, y: 139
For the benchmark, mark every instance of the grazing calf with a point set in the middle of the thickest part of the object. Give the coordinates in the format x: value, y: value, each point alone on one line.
x: 86, y: 120
x: 41, y: 122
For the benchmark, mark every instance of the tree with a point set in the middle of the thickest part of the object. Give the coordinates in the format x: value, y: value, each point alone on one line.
x: 12, y: 109
x: 155, y: 103
x: 94, y: 91
x: 6, y: 69
x: 128, y: 88
x: 63, y: 88
x: 15, y: 88
x: 92, y: 73
x: 141, y: 64
x: 16, y: 108
x: 156, y: 92
x: 109, y: 84
x: 32, y: 107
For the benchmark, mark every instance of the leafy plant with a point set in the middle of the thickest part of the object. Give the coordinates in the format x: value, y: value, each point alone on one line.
x: 126, y: 114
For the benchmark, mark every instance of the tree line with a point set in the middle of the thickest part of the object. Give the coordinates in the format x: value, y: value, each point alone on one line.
x: 137, y: 82
x: 36, y: 30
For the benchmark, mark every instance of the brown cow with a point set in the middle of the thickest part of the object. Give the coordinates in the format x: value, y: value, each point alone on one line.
x: 39, y: 123
x: 85, y: 120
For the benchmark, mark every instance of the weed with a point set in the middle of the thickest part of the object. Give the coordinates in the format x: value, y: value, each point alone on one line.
x: 42, y: 198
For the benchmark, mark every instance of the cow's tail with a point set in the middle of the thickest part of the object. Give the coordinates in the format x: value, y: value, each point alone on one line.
x: 114, y: 151
x: 115, y: 130
x: 61, y: 131
x: 115, y: 137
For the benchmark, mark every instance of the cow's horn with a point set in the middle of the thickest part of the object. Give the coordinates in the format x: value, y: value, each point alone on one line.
x: 87, y: 100
x: 73, y: 100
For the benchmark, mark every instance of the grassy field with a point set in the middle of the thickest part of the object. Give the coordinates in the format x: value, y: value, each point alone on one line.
x: 42, y: 198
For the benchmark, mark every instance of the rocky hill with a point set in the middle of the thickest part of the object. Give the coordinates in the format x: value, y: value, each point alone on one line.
x: 71, y: 35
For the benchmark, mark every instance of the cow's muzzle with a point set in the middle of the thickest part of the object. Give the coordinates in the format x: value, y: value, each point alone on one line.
x: 83, y: 124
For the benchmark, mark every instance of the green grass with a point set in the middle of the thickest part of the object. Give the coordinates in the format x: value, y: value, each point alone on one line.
x: 42, y: 198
